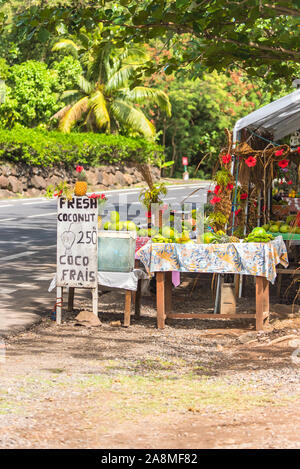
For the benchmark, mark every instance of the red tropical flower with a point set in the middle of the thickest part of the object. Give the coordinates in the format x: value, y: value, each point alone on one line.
x: 237, y: 211
x: 226, y: 158
x: 94, y: 196
x: 229, y: 186
x: 215, y: 200
x: 209, y: 192
x: 283, y: 163
x: 250, y: 161
x: 217, y: 189
x: 290, y: 182
x: 79, y: 169
x: 244, y: 196
x: 279, y: 152
x: 298, y: 150
x: 103, y: 196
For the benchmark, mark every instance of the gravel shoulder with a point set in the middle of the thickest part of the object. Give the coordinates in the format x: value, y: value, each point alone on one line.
x: 196, y: 384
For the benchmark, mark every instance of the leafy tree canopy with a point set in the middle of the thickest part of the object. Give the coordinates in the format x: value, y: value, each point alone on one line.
x: 262, y: 36
x: 201, y: 110
x: 32, y: 90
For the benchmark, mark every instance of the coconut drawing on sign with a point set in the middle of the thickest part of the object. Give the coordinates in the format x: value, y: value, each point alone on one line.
x: 68, y: 238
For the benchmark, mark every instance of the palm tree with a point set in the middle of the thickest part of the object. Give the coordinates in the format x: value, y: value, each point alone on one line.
x: 105, y: 96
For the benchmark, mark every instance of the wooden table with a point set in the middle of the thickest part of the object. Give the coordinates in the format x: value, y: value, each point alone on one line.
x: 164, y: 303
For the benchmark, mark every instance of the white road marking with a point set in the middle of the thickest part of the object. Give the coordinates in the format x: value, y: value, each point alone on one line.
x: 17, y: 256
x: 33, y: 203
x: 5, y: 205
x: 8, y: 219
x: 41, y: 215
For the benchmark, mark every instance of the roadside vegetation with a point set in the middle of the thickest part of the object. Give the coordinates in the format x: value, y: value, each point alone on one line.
x: 87, y: 74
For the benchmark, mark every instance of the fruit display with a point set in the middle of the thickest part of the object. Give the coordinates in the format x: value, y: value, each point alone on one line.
x: 294, y: 194
x: 219, y: 238
x: 281, y: 226
x: 169, y: 235
x: 258, y: 235
x: 115, y: 224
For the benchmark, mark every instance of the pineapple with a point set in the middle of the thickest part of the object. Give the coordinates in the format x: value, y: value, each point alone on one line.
x: 80, y: 188
x: 81, y: 184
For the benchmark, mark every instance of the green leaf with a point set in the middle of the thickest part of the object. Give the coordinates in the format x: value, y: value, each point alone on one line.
x: 43, y: 35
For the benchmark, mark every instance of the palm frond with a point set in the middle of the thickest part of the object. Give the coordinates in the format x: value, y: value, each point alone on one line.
x: 60, y: 114
x: 119, y: 78
x: 73, y: 114
x: 98, y: 66
x: 70, y: 96
x: 98, y: 105
x: 143, y: 94
x: 134, y: 56
x: 132, y: 118
x: 86, y: 86
x: 68, y: 45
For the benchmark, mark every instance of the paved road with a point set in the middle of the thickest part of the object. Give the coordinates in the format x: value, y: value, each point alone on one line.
x: 28, y: 250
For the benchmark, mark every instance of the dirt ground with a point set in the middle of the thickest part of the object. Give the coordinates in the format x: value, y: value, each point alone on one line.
x: 195, y: 384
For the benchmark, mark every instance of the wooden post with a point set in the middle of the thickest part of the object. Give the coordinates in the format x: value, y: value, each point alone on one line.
x: 71, y: 299
x: 137, y: 303
x: 127, y: 308
x: 168, y: 293
x: 95, y: 300
x: 278, y: 290
x: 262, y: 302
x: 237, y: 284
x: 59, y: 304
x: 160, y: 299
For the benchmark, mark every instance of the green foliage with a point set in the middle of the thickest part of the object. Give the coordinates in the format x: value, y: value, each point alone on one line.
x: 68, y: 70
x: 260, y: 36
x: 39, y: 147
x: 201, y: 110
x: 222, y: 177
x: 33, y: 89
x: 152, y: 195
x: 62, y: 189
x: 30, y: 95
x: 4, y: 69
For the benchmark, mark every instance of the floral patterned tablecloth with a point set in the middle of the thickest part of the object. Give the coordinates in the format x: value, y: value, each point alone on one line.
x: 258, y: 259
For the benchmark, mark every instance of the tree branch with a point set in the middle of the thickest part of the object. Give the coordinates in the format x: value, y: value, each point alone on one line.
x: 283, y: 10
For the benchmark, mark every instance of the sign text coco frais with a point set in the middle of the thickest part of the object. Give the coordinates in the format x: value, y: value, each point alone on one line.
x: 77, y: 242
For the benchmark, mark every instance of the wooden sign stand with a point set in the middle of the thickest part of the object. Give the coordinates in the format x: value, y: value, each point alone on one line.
x: 77, y: 250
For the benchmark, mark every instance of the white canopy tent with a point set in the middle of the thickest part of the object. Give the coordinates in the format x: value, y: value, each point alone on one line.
x: 280, y: 118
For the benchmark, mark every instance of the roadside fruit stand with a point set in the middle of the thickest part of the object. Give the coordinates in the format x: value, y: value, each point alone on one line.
x: 256, y: 259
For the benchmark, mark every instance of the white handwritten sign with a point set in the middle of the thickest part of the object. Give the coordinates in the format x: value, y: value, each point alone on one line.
x: 77, y: 243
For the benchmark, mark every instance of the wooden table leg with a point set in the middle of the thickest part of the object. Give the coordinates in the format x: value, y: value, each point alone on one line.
x: 168, y: 293
x: 95, y: 300
x: 160, y: 299
x: 262, y: 302
x: 59, y: 304
x: 127, y: 308
x: 71, y: 299
x: 136, y: 266
x: 137, y: 303
x: 278, y: 290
